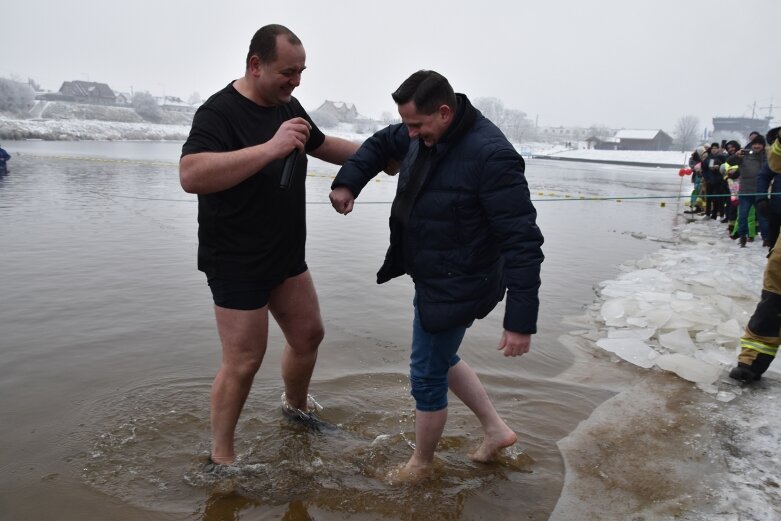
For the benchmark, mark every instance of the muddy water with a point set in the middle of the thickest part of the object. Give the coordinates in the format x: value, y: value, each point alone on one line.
x: 108, y: 347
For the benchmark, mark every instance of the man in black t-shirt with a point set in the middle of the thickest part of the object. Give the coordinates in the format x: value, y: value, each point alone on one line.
x: 251, y: 230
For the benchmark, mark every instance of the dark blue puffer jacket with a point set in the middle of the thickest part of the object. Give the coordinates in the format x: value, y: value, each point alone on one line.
x: 769, y: 181
x: 471, y: 233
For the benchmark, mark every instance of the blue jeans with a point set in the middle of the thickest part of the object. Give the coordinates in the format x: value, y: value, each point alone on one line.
x: 433, y: 354
x: 745, y: 204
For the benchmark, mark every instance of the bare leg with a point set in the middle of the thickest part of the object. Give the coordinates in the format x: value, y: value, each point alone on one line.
x: 465, y: 384
x: 244, y: 337
x: 296, y: 309
x: 428, y: 431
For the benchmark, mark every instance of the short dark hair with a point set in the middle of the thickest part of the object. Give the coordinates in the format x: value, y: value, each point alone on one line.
x: 264, y: 42
x: 428, y: 90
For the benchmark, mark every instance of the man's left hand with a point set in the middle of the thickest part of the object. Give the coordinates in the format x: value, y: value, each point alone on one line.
x: 514, y: 344
x: 342, y: 199
x: 392, y: 168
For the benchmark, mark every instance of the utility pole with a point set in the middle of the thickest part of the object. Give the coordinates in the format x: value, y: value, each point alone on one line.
x: 769, y: 109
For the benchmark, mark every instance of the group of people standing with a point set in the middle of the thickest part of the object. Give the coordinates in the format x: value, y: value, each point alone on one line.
x: 462, y: 226
x: 742, y: 187
x: 734, y: 184
x: 759, y: 344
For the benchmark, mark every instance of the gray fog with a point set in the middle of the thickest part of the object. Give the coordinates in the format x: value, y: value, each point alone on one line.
x: 613, y: 63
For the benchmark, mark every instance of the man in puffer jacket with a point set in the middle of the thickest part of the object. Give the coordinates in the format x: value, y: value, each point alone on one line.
x: 760, y: 342
x: 463, y: 226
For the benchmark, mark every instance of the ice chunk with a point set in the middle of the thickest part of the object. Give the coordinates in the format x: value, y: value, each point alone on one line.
x: 688, y: 368
x: 658, y: 317
x: 639, y: 334
x: 637, y: 322
x: 678, y: 322
x: 632, y: 350
x: 613, y: 312
x: 730, y: 329
x: 678, y: 341
x: 725, y: 396
x: 705, y: 336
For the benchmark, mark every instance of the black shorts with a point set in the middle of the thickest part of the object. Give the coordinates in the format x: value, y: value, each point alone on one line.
x: 247, y: 294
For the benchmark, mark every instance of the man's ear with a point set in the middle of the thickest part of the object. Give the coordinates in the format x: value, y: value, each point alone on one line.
x: 445, y: 112
x: 254, y: 65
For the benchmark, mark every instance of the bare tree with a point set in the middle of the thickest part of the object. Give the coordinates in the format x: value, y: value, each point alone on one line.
x: 492, y: 108
x: 146, y: 106
x: 15, y: 96
x: 599, y: 131
x: 687, y: 132
x: 512, y: 122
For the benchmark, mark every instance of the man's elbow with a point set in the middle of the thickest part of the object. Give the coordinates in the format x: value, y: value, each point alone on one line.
x: 186, y: 180
x: 188, y: 176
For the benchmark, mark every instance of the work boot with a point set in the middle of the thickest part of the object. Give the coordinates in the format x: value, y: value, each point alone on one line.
x: 743, y: 373
x: 743, y: 241
x: 751, y: 239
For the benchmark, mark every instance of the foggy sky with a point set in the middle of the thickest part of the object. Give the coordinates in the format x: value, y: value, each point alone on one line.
x: 622, y: 64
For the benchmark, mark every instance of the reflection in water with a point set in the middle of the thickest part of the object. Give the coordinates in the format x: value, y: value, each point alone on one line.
x: 146, y: 455
x: 229, y: 507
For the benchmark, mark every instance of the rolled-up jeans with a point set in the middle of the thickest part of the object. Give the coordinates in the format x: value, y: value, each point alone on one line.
x: 433, y: 354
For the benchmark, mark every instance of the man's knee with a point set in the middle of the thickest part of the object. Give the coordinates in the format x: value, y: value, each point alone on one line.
x: 430, y: 393
x: 307, y: 338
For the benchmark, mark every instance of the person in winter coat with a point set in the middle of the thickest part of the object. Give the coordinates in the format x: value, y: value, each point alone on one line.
x: 731, y: 210
x: 464, y: 228
x: 749, y: 164
x: 714, y: 183
x: 769, y: 182
x: 4, y: 158
x: 695, y: 163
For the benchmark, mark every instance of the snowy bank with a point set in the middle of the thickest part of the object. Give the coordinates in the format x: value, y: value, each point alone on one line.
x: 92, y: 130
x: 647, y: 157
x: 664, y: 447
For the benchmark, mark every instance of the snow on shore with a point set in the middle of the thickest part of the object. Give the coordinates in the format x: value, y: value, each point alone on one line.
x: 88, y: 130
x: 661, y: 448
x: 668, y: 157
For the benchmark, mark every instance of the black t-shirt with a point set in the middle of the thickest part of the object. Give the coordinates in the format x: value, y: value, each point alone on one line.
x: 254, y: 230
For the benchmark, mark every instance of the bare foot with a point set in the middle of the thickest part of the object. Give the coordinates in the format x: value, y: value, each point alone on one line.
x: 492, y: 445
x: 409, y: 473
x: 221, y: 460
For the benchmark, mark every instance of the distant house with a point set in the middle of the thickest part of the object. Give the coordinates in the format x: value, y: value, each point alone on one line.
x: 175, y: 104
x: 740, y: 126
x: 342, y: 112
x: 88, y: 92
x: 123, y: 98
x: 643, y: 140
x: 603, y: 143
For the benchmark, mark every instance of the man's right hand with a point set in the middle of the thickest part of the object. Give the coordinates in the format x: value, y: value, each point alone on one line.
x: 292, y: 134
x: 342, y: 199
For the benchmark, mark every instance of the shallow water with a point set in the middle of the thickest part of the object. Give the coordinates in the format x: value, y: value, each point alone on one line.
x: 108, y: 347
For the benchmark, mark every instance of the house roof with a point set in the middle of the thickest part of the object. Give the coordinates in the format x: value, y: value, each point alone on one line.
x: 87, y: 89
x: 637, y: 134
